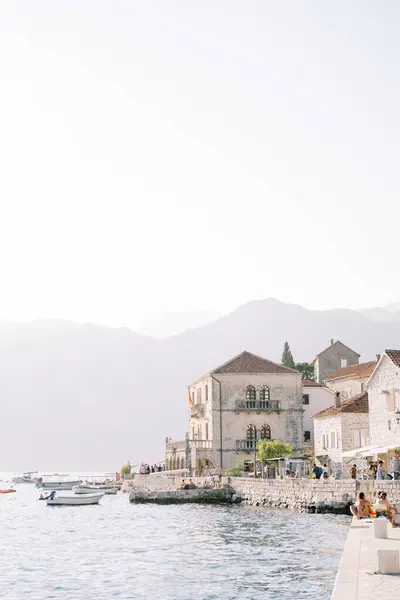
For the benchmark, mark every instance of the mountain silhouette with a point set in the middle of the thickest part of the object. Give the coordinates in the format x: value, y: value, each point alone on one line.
x: 85, y: 397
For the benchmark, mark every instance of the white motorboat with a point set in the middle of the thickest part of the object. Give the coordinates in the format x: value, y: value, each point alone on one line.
x: 58, y: 485
x: 57, y: 498
x: 26, y: 477
x: 90, y: 489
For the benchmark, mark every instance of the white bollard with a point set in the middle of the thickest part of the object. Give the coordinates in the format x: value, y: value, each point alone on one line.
x: 380, y: 528
x: 388, y: 562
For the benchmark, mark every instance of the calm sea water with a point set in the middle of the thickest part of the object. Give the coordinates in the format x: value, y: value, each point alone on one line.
x: 119, y: 550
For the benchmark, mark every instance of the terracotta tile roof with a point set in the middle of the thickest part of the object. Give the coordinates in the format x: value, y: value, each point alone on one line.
x: 250, y: 363
x: 309, y: 383
x: 354, y: 371
x: 355, y: 404
x: 394, y: 356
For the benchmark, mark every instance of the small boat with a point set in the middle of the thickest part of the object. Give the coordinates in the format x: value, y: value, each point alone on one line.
x: 58, y: 485
x: 7, y: 491
x: 90, y: 489
x: 60, y: 499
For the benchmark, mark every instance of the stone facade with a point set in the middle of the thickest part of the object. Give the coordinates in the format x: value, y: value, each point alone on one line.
x: 337, y: 434
x: 176, y: 454
x: 221, y: 413
x: 331, y: 359
x: 384, y: 400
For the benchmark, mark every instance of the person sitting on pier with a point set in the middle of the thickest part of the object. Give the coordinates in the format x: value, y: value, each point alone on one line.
x: 384, y: 509
x: 362, y: 508
x: 192, y: 486
x: 182, y: 486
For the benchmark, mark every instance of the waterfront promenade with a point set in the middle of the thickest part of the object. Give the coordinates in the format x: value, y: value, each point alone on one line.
x: 358, y: 577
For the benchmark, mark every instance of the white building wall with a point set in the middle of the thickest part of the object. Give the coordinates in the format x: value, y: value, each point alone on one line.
x: 340, y: 433
x: 384, y: 429
x: 319, y: 399
x: 348, y: 387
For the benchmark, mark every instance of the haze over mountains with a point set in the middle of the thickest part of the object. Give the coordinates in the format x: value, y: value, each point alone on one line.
x: 85, y: 397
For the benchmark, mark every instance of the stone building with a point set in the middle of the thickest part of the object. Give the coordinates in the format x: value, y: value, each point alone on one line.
x: 340, y: 428
x: 177, y: 454
x: 316, y: 397
x: 246, y: 390
x: 336, y: 356
x: 352, y: 380
x: 384, y: 402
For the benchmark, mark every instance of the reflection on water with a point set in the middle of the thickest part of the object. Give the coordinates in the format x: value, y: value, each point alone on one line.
x: 119, y: 550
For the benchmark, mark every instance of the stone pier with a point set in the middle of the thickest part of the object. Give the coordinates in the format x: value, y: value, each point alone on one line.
x: 358, y: 577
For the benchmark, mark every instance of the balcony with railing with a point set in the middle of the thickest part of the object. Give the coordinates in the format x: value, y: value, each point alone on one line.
x: 258, y: 405
x: 245, y: 445
x: 197, y: 411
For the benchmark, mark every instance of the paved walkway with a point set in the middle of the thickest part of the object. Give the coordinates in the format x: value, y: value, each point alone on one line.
x: 357, y: 578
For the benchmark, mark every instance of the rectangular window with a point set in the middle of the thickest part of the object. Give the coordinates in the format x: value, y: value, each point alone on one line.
x: 390, y: 401
x: 307, y: 436
x: 198, y: 396
x: 192, y: 433
x: 206, y: 431
x: 356, y: 438
x: 306, y: 398
x: 343, y: 362
x: 333, y: 439
x: 389, y: 425
x: 206, y: 390
x: 362, y: 387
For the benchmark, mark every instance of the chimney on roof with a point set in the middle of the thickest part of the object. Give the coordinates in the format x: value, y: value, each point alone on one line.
x: 332, y: 340
x: 337, y: 399
x: 378, y: 357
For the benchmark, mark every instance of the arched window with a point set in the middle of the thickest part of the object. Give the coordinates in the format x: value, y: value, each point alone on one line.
x: 250, y: 396
x: 265, y: 432
x: 250, y: 432
x: 182, y: 464
x: 264, y: 395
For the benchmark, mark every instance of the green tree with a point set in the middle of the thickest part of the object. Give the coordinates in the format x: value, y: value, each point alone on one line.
x: 236, y: 469
x: 126, y: 469
x: 287, y: 357
x: 276, y: 449
x: 306, y: 369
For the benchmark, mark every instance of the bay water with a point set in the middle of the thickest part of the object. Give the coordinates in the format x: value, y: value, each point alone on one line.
x: 124, y: 551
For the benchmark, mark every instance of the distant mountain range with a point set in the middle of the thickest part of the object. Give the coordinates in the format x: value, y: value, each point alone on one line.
x: 87, y: 397
x: 175, y: 322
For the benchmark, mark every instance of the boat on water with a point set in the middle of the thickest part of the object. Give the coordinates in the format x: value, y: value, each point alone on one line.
x: 90, y: 489
x: 27, y: 477
x: 55, y: 498
x: 58, y: 485
x: 7, y: 491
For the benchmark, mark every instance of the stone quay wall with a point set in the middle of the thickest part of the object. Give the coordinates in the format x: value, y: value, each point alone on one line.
x: 159, y: 482
x: 307, y: 495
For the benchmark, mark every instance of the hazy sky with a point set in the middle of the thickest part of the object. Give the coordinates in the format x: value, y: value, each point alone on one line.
x: 170, y: 155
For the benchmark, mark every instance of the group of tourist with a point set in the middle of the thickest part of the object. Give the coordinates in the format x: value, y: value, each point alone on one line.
x: 375, y: 471
x: 187, y: 486
x: 380, y: 507
x: 146, y: 469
